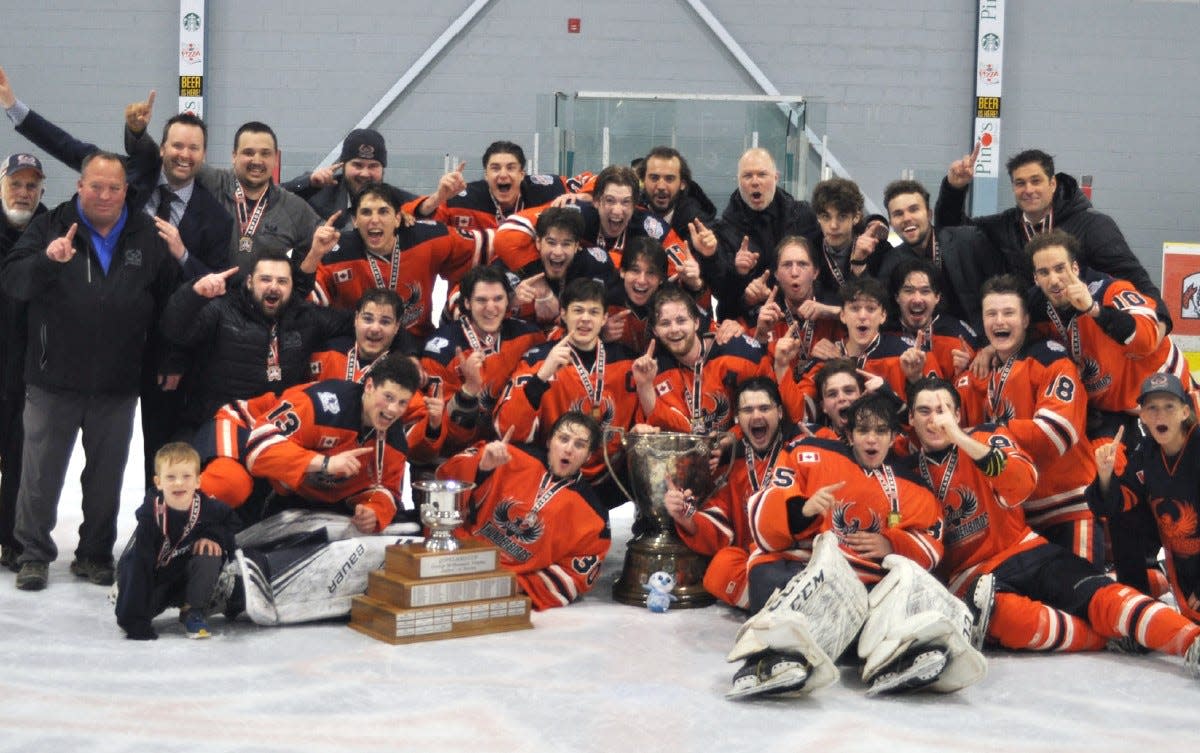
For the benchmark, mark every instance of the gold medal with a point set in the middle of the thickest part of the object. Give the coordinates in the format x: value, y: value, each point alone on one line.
x: 893, y: 519
x: 245, y: 244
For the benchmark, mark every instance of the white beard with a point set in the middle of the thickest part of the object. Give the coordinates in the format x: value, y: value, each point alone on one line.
x: 16, y: 217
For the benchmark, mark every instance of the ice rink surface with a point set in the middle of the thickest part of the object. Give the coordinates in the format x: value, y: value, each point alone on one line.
x: 596, y: 676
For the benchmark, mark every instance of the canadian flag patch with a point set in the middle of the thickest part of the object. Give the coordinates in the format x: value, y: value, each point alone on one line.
x: 663, y: 388
x: 342, y: 275
x: 808, y: 457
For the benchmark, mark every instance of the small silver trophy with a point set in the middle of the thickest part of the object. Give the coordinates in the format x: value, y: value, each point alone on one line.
x: 443, y: 506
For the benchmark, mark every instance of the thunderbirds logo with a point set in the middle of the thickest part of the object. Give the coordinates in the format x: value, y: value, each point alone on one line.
x: 513, y: 533
x: 964, y: 521
x: 716, y: 410
x: 843, y: 526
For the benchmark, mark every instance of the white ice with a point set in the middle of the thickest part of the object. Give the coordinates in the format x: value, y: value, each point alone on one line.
x: 596, y: 676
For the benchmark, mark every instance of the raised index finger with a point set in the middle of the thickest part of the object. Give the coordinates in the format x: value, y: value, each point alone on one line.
x: 150, y: 101
x: 361, y: 451
x: 1117, y: 437
x: 228, y: 273
x: 333, y: 218
x: 975, y: 151
x: 508, y: 435
x: 650, y: 348
x: 461, y: 166
x: 70, y: 236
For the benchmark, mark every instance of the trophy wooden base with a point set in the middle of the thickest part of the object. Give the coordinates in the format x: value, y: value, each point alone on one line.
x: 426, y: 596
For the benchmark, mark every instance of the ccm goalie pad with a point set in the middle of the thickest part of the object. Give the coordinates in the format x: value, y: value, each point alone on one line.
x: 918, y: 635
x: 791, y: 645
x: 298, y: 574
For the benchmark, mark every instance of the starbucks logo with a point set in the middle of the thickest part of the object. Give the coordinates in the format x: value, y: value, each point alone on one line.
x: 990, y: 42
x: 191, y: 22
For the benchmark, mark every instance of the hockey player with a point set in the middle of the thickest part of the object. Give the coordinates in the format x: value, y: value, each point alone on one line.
x: 537, y: 509
x: 1163, y: 474
x: 1036, y: 394
x: 689, y: 387
x: 1028, y: 593
x: 387, y: 249
x: 834, y: 520
x: 470, y: 360
x: 721, y: 529
x: 484, y: 204
x: 915, y: 288
x: 801, y: 303
x: 849, y: 248
x: 339, y: 443
x: 578, y: 372
x: 376, y: 333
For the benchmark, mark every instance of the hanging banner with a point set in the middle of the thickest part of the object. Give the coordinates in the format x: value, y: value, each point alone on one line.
x: 989, y: 62
x: 1181, y: 293
x: 193, y: 21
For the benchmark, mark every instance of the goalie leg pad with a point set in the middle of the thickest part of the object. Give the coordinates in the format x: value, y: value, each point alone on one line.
x: 816, y: 615
x: 911, y: 610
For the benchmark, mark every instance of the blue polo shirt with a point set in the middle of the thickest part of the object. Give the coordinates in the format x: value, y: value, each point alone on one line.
x: 104, y: 244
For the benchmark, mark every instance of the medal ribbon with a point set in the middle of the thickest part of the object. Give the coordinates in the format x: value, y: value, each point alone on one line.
x: 595, y: 392
x: 756, y: 480
x: 395, y: 276
x: 274, y: 373
x: 547, y: 488
x: 1069, y: 333
x: 944, y: 487
x: 1045, y: 226
x: 887, y: 481
x: 246, y: 221
x: 167, y: 552
x: 996, y: 390
x: 488, y: 344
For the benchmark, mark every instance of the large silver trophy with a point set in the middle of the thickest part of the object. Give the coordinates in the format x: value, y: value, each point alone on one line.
x: 652, y: 459
x: 443, y: 506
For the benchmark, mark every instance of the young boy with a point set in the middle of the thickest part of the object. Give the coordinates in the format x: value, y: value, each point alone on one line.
x: 182, y: 539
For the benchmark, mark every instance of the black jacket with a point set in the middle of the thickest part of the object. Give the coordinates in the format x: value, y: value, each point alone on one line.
x: 231, y: 337
x: 87, y: 331
x: 783, y: 217
x: 1103, y: 246
x: 13, y: 319
x: 325, y: 200
x: 968, y: 260
x: 205, y: 227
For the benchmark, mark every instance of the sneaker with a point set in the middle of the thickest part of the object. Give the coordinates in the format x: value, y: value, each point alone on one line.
x: 99, y: 572
x: 33, y: 576
x: 1191, y: 659
x: 8, y: 558
x: 769, y: 673
x: 195, y: 624
x: 981, y: 598
x: 915, y: 669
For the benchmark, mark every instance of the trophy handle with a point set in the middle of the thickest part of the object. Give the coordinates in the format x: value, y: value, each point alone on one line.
x: 729, y: 467
x: 616, y: 477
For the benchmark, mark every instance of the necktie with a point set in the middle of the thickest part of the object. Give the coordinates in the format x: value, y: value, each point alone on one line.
x: 166, y: 197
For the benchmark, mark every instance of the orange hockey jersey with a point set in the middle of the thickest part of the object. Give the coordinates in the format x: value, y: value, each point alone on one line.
x: 906, y: 514
x: 325, y: 418
x: 1038, y: 398
x: 985, y: 523
x: 1116, y: 351
x: 422, y: 251
x: 549, y: 531
x: 475, y: 209
x: 700, y: 400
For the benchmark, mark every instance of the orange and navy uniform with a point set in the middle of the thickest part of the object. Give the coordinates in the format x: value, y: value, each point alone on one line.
x: 502, y: 356
x: 422, y: 251
x: 551, y: 532
x: 335, y: 361
x: 1171, y: 488
x: 907, y: 515
x: 882, y: 358
x: 530, y: 406
x: 1116, y: 350
x: 945, y: 336
x: 475, y: 209
x: 587, y: 263
x: 514, y: 242
x: 325, y: 418
x: 680, y: 406
x: 722, y: 526
x: 1036, y: 395
x: 985, y: 523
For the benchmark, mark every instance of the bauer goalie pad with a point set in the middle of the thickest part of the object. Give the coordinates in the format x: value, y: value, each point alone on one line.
x: 816, y: 615
x: 911, y: 610
x: 298, y: 525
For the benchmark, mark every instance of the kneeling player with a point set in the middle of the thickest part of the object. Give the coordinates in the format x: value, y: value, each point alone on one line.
x: 1045, y: 598
x: 721, y: 529
x: 537, y: 509
x: 834, y: 521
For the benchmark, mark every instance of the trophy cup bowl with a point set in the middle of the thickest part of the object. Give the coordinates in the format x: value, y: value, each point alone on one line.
x: 443, y: 506
x: 651, y: 460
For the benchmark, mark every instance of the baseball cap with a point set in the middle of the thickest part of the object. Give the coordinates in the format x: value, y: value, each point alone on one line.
x: 1167, y: 384
x: 364, y: 143
x: 14, y: 163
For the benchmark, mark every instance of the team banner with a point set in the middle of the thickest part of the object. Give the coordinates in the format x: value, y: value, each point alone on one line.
x: 192, y: 22
x: 1181, y: 293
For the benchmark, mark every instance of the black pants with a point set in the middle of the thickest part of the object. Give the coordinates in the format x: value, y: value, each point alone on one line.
x: 12, y: 436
